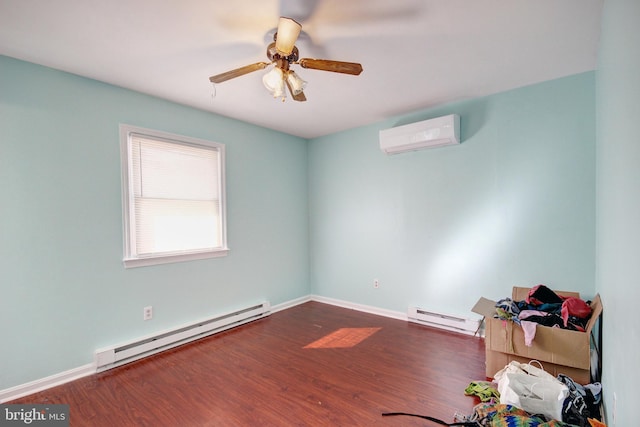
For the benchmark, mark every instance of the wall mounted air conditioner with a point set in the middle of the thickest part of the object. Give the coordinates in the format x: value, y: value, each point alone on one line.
x: 420, y: 135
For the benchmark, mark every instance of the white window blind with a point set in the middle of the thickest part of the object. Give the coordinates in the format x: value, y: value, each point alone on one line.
x: 175, y: 203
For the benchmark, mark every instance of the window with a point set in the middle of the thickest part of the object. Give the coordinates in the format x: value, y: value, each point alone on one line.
x: 173, y: 197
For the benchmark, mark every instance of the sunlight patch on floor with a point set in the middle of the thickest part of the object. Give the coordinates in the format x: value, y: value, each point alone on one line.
x: 343, y: 338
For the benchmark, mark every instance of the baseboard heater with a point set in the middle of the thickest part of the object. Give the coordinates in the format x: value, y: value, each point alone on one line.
x: 444, y: 321
x: 112, y: 357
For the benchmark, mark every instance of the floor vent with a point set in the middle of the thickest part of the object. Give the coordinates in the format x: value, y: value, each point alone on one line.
x: 444, y: 321
x: 111, y: 357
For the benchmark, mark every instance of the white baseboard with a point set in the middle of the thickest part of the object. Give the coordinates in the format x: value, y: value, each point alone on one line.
x: 360, y: 307
x: 47, y: 382
x: 289, y: 304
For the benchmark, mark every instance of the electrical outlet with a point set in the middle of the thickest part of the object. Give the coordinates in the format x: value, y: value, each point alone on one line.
x: 376, y: 283
x: 147, y: 313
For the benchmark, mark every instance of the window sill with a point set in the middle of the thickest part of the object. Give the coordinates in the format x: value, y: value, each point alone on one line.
x: 168, y: 259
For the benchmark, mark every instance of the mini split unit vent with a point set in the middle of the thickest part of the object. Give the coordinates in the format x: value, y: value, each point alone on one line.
x: 418, y: 136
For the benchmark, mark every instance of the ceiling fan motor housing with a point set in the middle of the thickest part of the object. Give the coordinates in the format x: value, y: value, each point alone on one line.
x: 275, y: 56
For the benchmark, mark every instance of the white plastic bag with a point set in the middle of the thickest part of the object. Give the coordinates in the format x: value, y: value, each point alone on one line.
x: 531, y: 389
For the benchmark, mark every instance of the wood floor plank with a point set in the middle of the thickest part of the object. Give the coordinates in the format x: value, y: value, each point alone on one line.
x: 261, y: 374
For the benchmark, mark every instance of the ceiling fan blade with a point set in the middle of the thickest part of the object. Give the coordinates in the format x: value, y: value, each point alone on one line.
x: 223, y: 77
x: 328, y: 65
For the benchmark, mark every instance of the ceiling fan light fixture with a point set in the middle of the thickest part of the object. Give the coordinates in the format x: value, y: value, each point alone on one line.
x: 288, y: 32
x: 296, y: 84
x: 274, y: 82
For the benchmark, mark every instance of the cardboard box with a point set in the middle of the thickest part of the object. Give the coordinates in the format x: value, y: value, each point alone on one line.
x: 560, y: 350
x: 497, y: 360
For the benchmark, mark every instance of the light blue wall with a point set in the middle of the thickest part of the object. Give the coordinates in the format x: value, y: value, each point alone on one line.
x: 63, y: 289
x: 618, y: 206
x: 514, y: 204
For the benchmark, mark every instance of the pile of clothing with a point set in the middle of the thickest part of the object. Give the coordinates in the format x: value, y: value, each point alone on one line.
x: 542, y: 306
x: 581, y: 408
x: 501, y: 415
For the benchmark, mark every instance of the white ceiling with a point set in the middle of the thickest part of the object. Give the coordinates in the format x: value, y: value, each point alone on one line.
x: 416, y: 54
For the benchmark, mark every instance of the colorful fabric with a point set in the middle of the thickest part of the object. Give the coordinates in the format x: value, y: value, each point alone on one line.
x: 485, y: 390
x: 501, y: 415
x: 507, y: 309
x: 540, y: 294
x: 574, y: 307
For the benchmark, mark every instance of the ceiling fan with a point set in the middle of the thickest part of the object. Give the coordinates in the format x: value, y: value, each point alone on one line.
x: 283, y: 53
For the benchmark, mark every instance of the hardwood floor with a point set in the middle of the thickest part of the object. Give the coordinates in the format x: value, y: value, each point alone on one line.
x: 261, y: 374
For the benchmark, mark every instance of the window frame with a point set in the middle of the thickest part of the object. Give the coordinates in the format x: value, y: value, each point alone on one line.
x: 131, y: 258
